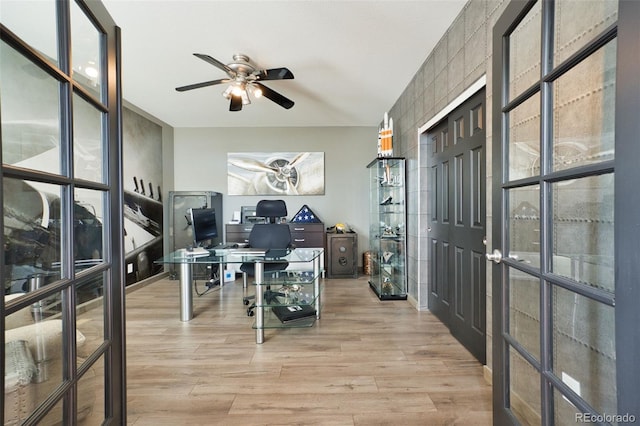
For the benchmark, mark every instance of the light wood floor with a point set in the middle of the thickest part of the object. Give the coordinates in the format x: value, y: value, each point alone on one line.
x: 366, y: 362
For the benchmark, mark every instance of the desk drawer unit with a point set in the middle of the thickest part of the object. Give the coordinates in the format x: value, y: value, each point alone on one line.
x: 307, y: 235
x: 303, y: 235
x: 238, y: 233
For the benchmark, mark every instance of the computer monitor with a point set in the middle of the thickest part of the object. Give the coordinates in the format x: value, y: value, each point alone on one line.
x: 204, y: 225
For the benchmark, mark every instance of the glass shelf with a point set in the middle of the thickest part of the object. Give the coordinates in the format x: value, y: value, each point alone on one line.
x: 290, y: 278
x: 290, y: 295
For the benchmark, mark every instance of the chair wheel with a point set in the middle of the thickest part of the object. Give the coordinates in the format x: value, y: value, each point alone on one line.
x: 250, y: 312
x: 246, y: 302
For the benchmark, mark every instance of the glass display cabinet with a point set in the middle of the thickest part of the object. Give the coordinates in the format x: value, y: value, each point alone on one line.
x: 387, y: 228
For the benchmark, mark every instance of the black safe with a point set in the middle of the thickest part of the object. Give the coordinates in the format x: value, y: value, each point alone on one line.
x: 342, y: 255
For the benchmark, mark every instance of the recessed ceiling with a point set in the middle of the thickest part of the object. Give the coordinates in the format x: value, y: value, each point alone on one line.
x: 351, y: 59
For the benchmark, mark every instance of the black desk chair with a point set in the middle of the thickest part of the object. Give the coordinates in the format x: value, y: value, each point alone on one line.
x: 272, y: 236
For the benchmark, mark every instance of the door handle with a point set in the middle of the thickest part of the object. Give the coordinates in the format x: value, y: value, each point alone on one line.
x: 495, y: 257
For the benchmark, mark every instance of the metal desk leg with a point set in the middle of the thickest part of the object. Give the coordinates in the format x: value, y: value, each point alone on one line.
x: 316, y: 285
x: 186, y: 296
x: 221, y: 268
x: 259, y: 276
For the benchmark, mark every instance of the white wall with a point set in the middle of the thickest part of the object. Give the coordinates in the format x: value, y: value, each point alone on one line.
x: 200, y: 164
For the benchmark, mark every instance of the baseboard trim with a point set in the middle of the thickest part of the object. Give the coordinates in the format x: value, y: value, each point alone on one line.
x: 488, y: 374
x: 143, y: 283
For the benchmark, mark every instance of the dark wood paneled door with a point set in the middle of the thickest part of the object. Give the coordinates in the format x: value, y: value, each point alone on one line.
x: 457, y: 278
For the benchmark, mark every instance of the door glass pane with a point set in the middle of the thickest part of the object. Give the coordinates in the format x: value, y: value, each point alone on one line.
x: 524, y: 224
x: 87, y: 51
x: 87, y: 141
x: 524, y: 310
x: 577, y: 25
x: 54, y: 417
x: 583, y: 230
x: 524, y: 52
x: 584, y: 355
x: 32, y: 234
x: 90, y: 315
x: 33, y: 353
x: 524, y: 139
x: 584, y: 111
x: 524, y: 389
x: 30, y: 113
x: 91, y: 395
x: 564, y: 412
x: 88, y: 230
x: 19, y: 17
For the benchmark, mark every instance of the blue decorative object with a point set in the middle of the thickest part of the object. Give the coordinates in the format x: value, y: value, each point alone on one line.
x: 305, y: 215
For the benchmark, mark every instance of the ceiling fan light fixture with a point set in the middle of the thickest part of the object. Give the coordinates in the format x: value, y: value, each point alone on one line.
x: 237, y: 89
x: 227, y: 92
x: 257, y: 92
x: 245, y: 98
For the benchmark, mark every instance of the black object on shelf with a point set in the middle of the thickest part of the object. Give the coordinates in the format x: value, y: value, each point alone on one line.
x: 291, y: 313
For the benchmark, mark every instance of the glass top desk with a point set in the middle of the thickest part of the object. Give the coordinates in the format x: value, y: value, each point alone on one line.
x: 299, y: 259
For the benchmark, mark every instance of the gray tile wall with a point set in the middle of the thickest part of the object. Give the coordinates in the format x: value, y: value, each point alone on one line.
x: 459, y: 59
x: 462, y: 56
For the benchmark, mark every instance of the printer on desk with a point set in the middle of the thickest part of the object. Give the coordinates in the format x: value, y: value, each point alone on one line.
x: 248, y: 215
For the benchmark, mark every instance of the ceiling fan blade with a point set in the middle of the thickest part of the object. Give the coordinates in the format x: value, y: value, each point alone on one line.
x: 203, y: 84
x: 276, y: 97
x: 216, y: 63
x: 235, y: 104
x: 275, y: 74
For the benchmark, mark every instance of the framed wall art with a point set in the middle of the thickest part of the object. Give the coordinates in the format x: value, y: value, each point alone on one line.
x: 275, y: 173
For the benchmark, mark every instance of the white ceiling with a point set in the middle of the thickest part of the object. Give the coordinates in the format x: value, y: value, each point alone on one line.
x: 351, y: 59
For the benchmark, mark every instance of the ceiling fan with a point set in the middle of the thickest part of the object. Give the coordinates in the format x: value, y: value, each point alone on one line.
x: 244, y: 79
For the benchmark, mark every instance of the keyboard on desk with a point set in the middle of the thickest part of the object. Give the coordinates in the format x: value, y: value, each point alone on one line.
x: 197, y: 252
x: 249, y: 251
x: 226, y: 246
x: 241, y: 251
